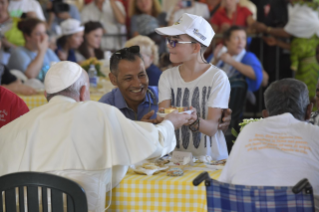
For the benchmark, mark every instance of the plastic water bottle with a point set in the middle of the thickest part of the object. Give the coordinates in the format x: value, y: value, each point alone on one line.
x: 92, y: 76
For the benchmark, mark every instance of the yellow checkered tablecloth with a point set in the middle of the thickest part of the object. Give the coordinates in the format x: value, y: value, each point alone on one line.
x: 159, y: 193
x: 39, y: 99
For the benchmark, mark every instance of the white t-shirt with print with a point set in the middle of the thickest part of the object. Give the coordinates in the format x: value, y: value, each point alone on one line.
x: 199, y: 9
x: 211, y: 89
x: 276, y: 151
x: 16, y: 8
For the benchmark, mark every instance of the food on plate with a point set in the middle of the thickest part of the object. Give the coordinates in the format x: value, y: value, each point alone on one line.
x: 175, y: 172
x: 171, y: 109
x: 150, y: 166
x: 219, y: 162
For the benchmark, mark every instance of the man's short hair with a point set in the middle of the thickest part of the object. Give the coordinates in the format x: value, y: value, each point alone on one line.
x: 130, y: 54
x: 287, y: 96
x: 227, y: 34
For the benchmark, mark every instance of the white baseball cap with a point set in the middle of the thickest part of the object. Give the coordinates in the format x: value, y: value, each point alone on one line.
x: 61, y: 76
x: 71, y: 26
x: 195, y: 26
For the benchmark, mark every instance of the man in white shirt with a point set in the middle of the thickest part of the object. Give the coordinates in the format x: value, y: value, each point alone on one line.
x: 190, y: 7
x: 17, y: 7
x: 83, y: 140
x: 279, y: 150
x: 111, y: 14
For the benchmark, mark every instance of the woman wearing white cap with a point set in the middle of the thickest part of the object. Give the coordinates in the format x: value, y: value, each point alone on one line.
x: 197, y: 84
x: 71, y: 38
x: 34, y: 58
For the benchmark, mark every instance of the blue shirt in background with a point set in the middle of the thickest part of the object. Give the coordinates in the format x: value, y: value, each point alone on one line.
x: 71, y: 54
x: 21, y: 58
x: 250, y: 59
x: 116, y: 99
x: 153, y: 73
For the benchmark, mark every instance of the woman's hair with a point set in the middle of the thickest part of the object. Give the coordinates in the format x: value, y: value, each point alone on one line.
x: 156, y: 8
x: 227, y: 34
x: 62, y: 40
x: 83, y: 49
x: 147, y: 46
x: 26, y: 26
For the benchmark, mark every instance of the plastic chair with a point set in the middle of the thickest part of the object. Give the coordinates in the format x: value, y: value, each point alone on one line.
x: 228, y: 197
x: 76, y: 198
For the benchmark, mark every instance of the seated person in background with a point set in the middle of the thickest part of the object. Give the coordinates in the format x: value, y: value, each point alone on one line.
x: 17, y: 7
x: 57, y: 12
x: 150, y: 57
x: 195, y: 8
x: 315, y: 115
x: 96, y: 139
x: 93, y: 33
x: 231, y: 14
x: 71, y: 39
x: 111, y: 14
x: 213, y: 5
x: 35, y: 58
x: 128, y: 74
x: 11, y: 106
x: 146, y: 16
x: 289, y: 150
x: 10, y: 82
x: 237, y: 62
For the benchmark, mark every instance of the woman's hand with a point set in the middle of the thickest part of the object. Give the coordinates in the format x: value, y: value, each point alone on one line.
x: 226, y: 58
x: 43, y: 44
x: 271, y: 41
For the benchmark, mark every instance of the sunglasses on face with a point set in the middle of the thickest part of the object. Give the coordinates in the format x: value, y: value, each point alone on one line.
x: 173, y: 43
x: 132, y: 49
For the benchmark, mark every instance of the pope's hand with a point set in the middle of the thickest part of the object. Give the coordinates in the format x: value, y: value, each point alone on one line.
x: 147, y: 117
x: 178, y: 119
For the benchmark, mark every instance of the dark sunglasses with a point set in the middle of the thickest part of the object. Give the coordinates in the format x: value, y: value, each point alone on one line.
x: 173, y: 43
x: 132, y: 49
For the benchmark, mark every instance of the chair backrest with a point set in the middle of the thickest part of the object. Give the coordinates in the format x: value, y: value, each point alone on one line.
x: 237, y: 99
x: 32, y: 183
x: 228, y: 197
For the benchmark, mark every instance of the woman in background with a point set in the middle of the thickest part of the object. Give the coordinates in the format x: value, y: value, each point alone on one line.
x: 72, y: 38
x: 34, y: 58
x: 90, y: 47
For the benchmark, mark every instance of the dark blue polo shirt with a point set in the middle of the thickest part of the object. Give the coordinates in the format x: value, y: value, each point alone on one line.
x: 116, y: 99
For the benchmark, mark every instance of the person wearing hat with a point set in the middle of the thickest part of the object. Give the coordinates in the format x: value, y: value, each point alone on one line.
x: 71, y: 39
x: 195, y: 83
x: 89, y: 142
x: 34, y: 58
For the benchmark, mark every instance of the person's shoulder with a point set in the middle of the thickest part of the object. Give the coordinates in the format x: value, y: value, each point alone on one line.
x: 217, y: 72
x: 9, y: 97
x: 200, y: 5
x: 170, y: 72
x: 109, y: 98
x: 244, y: 9
x: 88, y: 7
x: 250, y: 57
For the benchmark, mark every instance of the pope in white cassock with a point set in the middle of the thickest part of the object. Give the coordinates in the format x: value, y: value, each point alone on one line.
x: 89, y: 142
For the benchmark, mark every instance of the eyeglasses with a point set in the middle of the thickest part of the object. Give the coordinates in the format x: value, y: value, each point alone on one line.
x: 173, y: 43
x: 132, y: 49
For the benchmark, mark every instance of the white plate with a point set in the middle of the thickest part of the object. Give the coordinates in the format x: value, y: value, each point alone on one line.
x: 208, y: 165
x: 141, y: 170
x: 164, y: 114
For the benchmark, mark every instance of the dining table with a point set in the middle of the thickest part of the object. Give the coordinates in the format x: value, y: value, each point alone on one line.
x: 159, y: 192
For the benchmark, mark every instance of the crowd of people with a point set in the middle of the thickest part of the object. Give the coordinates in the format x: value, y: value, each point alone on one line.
x: 158, y: 59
